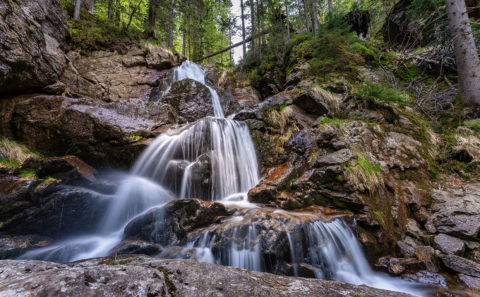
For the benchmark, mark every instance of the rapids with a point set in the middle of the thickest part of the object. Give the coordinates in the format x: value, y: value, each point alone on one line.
x: 221, y: 151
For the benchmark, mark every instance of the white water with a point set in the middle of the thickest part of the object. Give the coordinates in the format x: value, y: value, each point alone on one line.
x: 174, y: 166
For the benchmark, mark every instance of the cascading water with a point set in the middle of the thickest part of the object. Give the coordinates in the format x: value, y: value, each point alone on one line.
x: 214, y: 159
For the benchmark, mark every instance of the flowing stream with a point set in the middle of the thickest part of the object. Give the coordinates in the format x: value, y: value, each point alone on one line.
x: 214, y: 159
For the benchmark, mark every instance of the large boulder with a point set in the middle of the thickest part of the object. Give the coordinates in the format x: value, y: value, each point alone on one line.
x: 456, y: 212
x: 190, y: 99
x: 113, y: 76
x: 47, y: 207
x: 33, y: 35
x: 104, y: 134
x: 144, y: 276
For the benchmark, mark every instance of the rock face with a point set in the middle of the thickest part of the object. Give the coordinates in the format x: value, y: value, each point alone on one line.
x: 143, y: 276
x: 100, y: 133
x: 33, y: 35
x: 456, y: 212
x: 190, y: 99
x: 449, y: 244
x: 113, y: 76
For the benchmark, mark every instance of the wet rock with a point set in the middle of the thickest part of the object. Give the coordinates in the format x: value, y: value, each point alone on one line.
x: 316, y: 101
x: 14, y: 246
x: 177, y: 219
x: 336, y: 158
x: 104, y: 134
x: 263, y: 193
x: 144, y: 276
x: 66, y: 168
x: 48, y: 208
x: 469, y: 281
x: 449, y: 244
x: 399, y: 266
x: 461, y: 265
x: 456, y: 212
x: 112, y: 76
x: 138, y: 247
x: 426, y: 277
x: 190, y: 99
x: 33, y: 35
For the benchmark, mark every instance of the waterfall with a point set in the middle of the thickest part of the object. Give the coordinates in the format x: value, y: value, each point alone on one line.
x: 214, y: 159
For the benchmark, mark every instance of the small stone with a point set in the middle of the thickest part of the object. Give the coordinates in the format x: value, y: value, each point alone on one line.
x: 413, y: 229
x: 407, y: 247
x: 449, y: 244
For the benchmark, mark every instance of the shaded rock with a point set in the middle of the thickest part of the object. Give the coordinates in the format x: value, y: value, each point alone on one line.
x: 48, y: 208
x: 316, y: 101
x: 449, y: 244
x: 33, y: 35
x: 413, y: 229
x: 137, y: 247
x: 105, y: 134
x: 336, y: 158
x: 67, y: 168
x: 297, y: 74
x: 401, y: 29
x: 426, y: 254
x: 461, y: 265
x: 402, y: 151
x: 14, y: 246
x: 112, y: 76
x: 327, y: 136
x: 359, y: 20
x: 469, y: 281
x: 300, y: 142
x: 143, y: 276
x: 190, y: 99
x: 57, y: 88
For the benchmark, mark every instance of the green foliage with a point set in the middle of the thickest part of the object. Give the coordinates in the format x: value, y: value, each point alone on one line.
x: 383, y: 93
x: 473, y: 124
x: 28, y: 173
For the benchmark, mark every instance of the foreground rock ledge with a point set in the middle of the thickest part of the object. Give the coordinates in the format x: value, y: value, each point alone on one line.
x: 144, y: 276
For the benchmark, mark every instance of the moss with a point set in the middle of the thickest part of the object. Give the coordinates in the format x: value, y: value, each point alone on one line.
x: 135, y: 137
x: 473, y: 124
x: 365, y: 174
x: 171, y: 286
x: 47, y: 181
x: 9, y: 163
x: 29, y: 174
x: 383, y: 93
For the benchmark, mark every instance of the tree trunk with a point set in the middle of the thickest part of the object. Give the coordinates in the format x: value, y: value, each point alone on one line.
x: 288, y: 19
x: 252, y: 22
x: 91, y: 6
x: 110, y: 9
x: 466, y: 54
x: 184, y: 33
x: 152, y: 18
x: 170, y: 24
x: 330, y: 6
x: 314, y: 15
x: 76, y: 13
x: 243, y: 30
x: 306, y: 11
